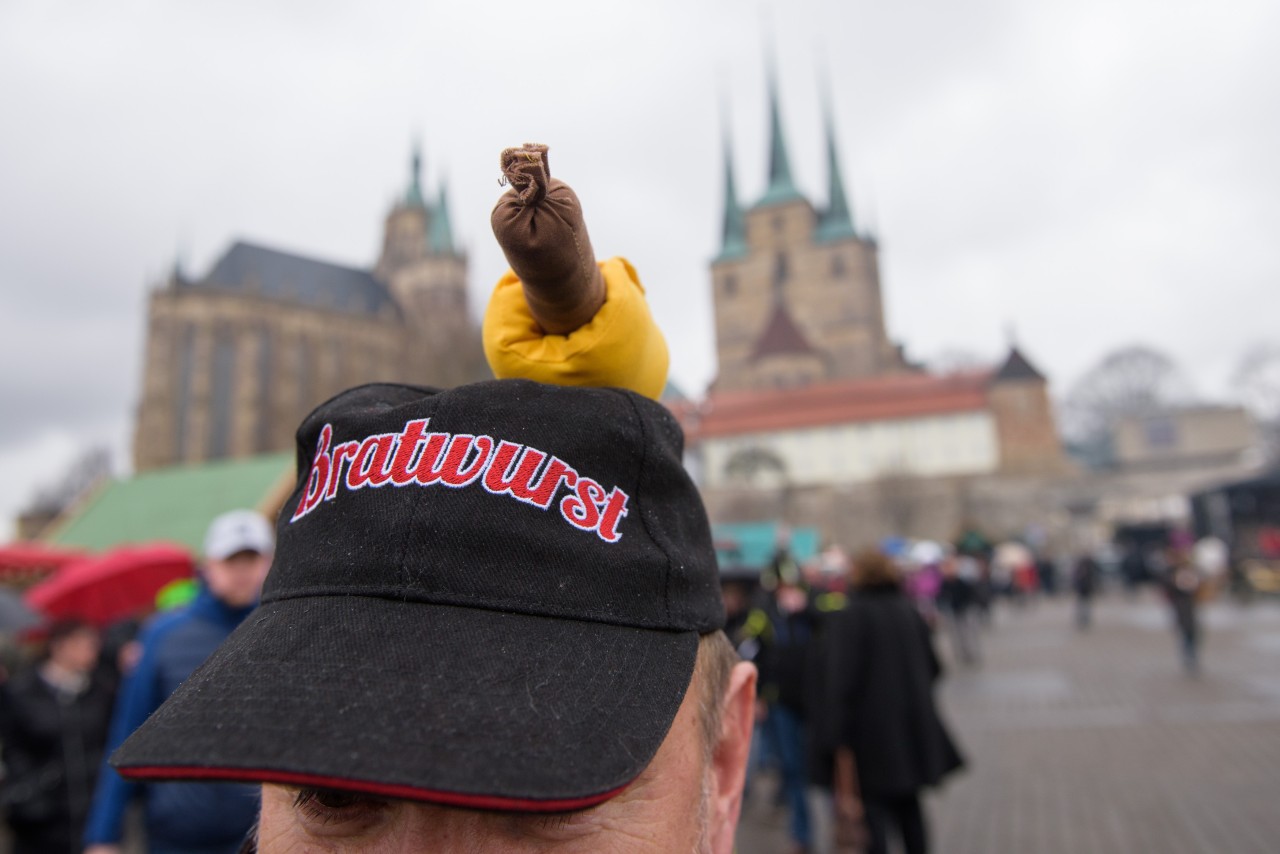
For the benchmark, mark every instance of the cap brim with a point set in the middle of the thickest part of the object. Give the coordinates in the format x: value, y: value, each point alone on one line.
x: 452, y: 705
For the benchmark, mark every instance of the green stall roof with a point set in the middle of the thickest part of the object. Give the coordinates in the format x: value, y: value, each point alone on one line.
x: 175, y: 504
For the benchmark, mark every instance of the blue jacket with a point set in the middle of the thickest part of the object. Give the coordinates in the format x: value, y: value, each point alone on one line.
x: 178, y: 816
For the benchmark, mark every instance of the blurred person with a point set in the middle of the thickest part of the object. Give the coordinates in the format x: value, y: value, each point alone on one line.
x: 189, y: 817
x: 786, y: 644
x: 1026, y: 582
x: 1084, y: 578
x: 1133, y: 569
x: 516, y: 645
x: 820, y: 757
x: 1047, y: 575
x: 923, y: 585
x: 888, y: 741
x: 738, y: 588
x: 1212, y: 558
x: 53, y: 725
x: 958, y: 602
x: 1184, y: 587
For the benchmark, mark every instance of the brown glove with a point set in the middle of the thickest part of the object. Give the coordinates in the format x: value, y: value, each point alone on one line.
x: 539, y: 225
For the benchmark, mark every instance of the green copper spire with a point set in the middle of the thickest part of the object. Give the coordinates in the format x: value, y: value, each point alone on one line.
x: 734, y: 238
x: 837, y: 219
x: 781, y: 187
x: 413, y: 195
x: 441, y: 237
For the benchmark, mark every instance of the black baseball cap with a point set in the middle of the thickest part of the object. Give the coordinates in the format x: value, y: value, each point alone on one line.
x: 486, y: 597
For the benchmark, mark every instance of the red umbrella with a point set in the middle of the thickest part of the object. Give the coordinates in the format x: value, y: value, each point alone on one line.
x: 121, y: 583
x: 26, y: 562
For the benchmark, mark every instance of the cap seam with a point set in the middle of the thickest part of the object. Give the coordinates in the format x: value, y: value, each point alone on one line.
x: 398, y: 595
x: 644, y: 464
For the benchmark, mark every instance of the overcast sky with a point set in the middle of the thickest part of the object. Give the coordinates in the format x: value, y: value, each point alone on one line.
x: 1088, y: 173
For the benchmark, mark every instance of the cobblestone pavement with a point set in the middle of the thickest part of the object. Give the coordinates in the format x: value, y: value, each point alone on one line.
x: 1097, y: 742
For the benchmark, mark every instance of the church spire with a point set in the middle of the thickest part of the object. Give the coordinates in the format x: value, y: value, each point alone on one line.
x: 837, y: 219
x: 781, y: 187
x: 734, y: 237
x: 413, y: 195
x: 441, y: 237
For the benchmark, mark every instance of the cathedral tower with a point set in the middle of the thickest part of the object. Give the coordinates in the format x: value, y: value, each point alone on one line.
x: 796, y: 290
x: 426, y: 273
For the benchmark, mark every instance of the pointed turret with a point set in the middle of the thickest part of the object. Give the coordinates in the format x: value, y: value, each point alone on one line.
x: 413, y: 196
x: 441, y: 236
x: 734, y: 237
x: 837, y: 219
x: 781, y: 186
x: 1017, y: 367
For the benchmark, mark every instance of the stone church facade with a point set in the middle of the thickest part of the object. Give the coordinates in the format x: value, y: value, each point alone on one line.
x: 815, y: 415
x: 796, y: 288
x: 237, y: 357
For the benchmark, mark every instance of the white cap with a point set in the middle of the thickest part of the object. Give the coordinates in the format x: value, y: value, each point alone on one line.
x: 238, y: 531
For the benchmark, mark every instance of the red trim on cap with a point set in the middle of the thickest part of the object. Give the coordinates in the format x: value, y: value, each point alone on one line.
x: 388, y: 790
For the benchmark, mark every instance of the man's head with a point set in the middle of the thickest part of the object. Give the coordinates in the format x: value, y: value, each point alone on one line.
x: 687, y: 799
x: 487, y: 605
x: 237, y: 551
x: 73, y: 645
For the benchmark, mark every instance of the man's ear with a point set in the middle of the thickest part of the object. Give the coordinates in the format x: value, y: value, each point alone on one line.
x: 729, y: 759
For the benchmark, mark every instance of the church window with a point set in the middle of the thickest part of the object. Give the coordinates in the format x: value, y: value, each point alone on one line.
x: 262, y: 429
x: 730, y: 285
x: 182, y: 399
x: 780, y: 271
x: 221, y: 401
x: 837, y: 266
x: 1161, y: 432
x: 306, y: 377
x: 779, y: 224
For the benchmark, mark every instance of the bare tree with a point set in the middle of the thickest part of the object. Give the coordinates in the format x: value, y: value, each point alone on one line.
x: 898, y: 497
x: 1257, y: 380
x: 1134, y: 380
x: 84, y: 472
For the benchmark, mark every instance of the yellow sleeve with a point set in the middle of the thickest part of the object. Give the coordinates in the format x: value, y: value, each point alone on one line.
x: 621, y: 346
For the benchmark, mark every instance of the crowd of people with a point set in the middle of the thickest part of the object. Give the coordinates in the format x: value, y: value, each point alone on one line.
x: 845, y: 709
x: 845, y: 716
x: 90, y: 689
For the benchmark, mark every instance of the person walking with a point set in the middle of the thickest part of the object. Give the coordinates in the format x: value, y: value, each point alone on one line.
x: 1184, y: 586
x: 1085, y: 580
x: 958, y: 602
x: 53, y: 725
x: 889, y: 741
x: 785, y: 651
x: 187, y: 818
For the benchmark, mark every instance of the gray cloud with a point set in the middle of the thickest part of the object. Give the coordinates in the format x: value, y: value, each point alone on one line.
x: 1091, y: 173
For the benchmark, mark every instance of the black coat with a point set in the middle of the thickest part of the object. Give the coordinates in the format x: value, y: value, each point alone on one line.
x: 52, y: 751
x: 784, y: 656
x: 880, y: 669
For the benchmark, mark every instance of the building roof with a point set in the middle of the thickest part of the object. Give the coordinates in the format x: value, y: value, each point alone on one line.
x: 781, y: 336
x: 281, y: 275
x: 175, y: 504
x: 829, y: 404
x: 1017, y: 367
